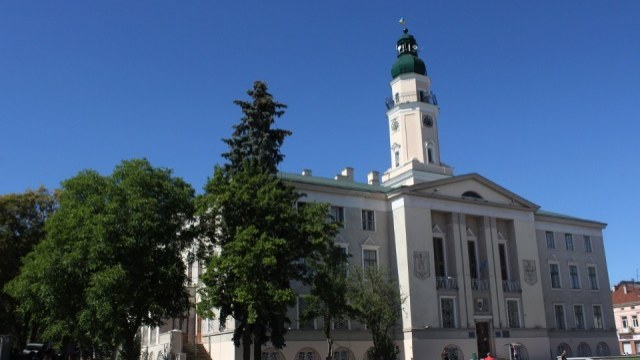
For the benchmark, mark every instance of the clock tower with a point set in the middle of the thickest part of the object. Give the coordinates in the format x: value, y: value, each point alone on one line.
x: 412, y: 112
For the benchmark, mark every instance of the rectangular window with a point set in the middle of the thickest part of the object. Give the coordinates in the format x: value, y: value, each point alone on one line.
x: 575, y: 279
x: 634, y: 321
x: 597, y: 317
x: 555, y: 276
x: 551, y: 242
x: 504, y: 267
x: 568, y: 240
x: 559, y: 312
x: 587, y: 244
x: 438, y: 257
x: 593, y: 278
x: 578, y: 313
x: 337, y: 214
x: 302, y: 307
x: 625, y: 322
x: 368, y: 220
x: 369, y: 258
x: 448, y: 313
x: 341, y: 324
x: 513, y: 313
x: 473, y: 261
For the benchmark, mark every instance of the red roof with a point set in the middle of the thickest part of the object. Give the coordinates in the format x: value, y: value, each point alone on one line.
x: 631, y: 295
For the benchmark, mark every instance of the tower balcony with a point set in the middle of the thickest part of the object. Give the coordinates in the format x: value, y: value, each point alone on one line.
x: 409, y: 97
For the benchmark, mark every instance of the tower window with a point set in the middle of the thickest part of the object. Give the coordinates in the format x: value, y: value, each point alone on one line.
x: 396, y: 155
x: 429, y: 155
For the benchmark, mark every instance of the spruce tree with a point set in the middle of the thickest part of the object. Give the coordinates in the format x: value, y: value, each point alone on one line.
x: 260, y: 238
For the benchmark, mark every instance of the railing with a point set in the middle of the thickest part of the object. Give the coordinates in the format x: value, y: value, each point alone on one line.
x: 511, y: 286
x: 419, y: 96
x: 447, y: 282
x: 480, y: 284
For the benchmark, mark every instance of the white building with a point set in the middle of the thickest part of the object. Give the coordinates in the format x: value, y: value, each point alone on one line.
x: 480, y: 266
x: 626, y: 309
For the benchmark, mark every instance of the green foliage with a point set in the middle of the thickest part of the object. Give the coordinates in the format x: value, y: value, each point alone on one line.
x: 259, y: 241
x: 22, y: 218
x: 377, y: 303
x: 328, y: 295
x: 111, y: 261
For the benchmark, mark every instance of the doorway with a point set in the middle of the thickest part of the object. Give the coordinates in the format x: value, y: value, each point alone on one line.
x: 483, y: 336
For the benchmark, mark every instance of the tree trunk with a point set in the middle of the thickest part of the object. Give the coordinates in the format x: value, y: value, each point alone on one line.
x: 257, y: 343
x: 246, y: 344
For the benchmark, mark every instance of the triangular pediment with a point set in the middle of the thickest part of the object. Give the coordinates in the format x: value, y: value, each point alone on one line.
x: 500, y: 236
x: 436, y: 230
x: 472, y: 188
x: 470, y: 233
x: 368, y: 241
x: 340, y: 240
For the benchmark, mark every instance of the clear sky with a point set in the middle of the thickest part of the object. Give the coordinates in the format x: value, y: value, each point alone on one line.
x: 541, y: 97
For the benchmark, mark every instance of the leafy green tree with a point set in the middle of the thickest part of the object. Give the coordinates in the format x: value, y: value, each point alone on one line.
x: 328, y: 295
x: 377, y: 303
x: 112, y: 258
x: 261, y: 238
x: 22, y: 218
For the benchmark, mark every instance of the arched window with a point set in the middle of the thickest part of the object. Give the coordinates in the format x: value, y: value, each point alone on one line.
x: 343, y: 354
x: 307, y: 354
x: 584, y: 349
x: 430, y: 154
x: 602, y: 349
x: 564, y: 347
x: 271, y: 354
x: 452, y: 352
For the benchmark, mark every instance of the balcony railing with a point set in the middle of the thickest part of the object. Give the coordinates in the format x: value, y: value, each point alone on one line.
x: 511, y: 286
x: 420, y: 96
x: 447, y: 282
x: 480, y: 284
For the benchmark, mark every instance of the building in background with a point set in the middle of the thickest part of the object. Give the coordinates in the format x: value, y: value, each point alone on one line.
x: 626, y: 310
x: 482, y: 269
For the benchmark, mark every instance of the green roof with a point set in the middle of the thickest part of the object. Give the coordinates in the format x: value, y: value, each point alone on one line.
x: 408, y: 60
x: 340, y: 184
x: 566, y: 217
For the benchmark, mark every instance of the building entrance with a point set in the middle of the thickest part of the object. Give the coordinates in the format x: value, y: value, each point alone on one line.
x: 483, y: 337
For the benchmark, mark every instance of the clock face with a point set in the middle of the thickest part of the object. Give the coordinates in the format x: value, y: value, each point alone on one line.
x: 395, y: 124
x: 427, y: 121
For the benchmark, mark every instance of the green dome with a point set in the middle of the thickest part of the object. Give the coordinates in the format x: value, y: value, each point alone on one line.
x: 408, y: 60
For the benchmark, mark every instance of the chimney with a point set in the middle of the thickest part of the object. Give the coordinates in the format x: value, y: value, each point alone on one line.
x: 625, y: 288
x: 306, y: 172
x: 373, y: 178
x: 345, y: 174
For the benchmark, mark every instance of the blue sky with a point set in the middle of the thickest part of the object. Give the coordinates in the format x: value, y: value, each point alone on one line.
x: 541, y: 97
